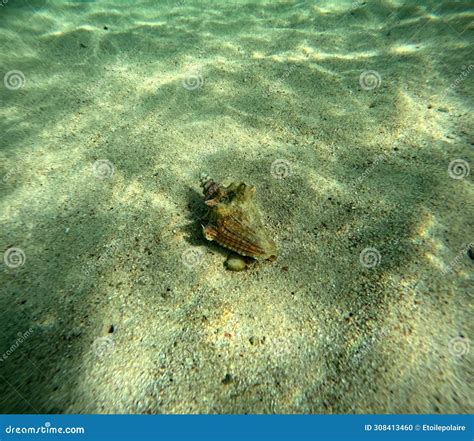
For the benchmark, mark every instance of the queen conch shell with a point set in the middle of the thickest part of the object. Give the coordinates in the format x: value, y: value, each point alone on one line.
x: 234, y: 220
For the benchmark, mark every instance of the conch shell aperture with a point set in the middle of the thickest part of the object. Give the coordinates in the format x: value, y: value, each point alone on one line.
x: 234, y: 220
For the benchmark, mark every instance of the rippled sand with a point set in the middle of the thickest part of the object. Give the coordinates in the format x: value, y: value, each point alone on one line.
x: 346, y: 116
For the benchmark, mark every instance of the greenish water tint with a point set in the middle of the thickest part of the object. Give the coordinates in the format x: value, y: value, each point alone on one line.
x: 353, y: 121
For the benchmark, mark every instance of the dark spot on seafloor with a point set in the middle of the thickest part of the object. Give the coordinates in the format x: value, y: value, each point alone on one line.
x: 284, y: 268
x: 252, y: 340
x: 111, y: 329
x: 105, y: 28
x: 83, y: 46
x: 470, y: 253
x: 227, y: 379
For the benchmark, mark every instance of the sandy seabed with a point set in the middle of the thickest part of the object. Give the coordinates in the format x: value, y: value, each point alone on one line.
x: 353, y: 121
